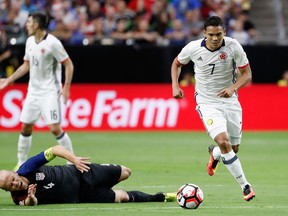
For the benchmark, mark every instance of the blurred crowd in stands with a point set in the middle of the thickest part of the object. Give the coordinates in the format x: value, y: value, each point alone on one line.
x: 127, y: 22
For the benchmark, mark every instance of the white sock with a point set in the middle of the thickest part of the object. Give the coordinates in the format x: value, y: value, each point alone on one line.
x: 24, y: 146
x: 233, y: 164
x: 216, y: 152
x: 65, y: 141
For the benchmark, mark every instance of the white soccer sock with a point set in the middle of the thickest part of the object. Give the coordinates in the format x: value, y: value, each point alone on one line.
x: 216, y: 152
x: 233, y: 164
x: 24, y: 146
x: 65, y: 141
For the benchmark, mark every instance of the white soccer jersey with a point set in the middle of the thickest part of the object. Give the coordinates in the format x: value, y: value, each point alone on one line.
x: 214, y: 70
x: 45, y: 65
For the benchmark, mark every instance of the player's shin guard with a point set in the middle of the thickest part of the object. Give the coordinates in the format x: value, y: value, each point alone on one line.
x: 24, y: 146
x: 232, y: 162
x: 138, y: 196
x: 65, y: 141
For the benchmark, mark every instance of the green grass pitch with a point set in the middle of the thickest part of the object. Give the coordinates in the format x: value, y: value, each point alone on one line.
x: 163, y: 161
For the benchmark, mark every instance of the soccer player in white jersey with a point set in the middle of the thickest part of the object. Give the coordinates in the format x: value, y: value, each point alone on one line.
x: 216, y: 58
x: 44, y: 55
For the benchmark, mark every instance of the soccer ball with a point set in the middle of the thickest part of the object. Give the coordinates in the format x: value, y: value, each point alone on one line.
x: 190, y: 196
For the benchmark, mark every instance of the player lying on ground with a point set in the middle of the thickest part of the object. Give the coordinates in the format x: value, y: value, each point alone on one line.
x: 83, y: 182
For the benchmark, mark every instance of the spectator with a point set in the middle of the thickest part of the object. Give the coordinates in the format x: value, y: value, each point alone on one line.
x: 94, y: 10
x: 108, y: 21
x: 87, y: 27
x: 193, y: 24
x: 120, y: 35
x: 159, y: 5
x: 141, y: 7
x: 4, y: 10
x: 249, y: 26
x: 239, y: 33
x: 70, y: 17
x: 19, y: 16
x: 235, y: 10
x: 210, y: 6
x: 72, y: 22
x: 29, y: 6
x: 13, y: 24
x: 124, y: 13
x: 283, y: 82
x: 160, y: 22
x: 77, y: 37
x: 108, y: 3
x: 220, y: 8
x: 180, y: 7
x: 47, y: 9
x: 66, y: 23
x: 99, y: 31
x: 58, y: 28
x: 177, y: 35
x: 142, y: 33
x: 8, y: 59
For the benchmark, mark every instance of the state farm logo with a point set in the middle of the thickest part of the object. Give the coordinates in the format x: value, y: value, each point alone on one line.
x: 105, y: 110
x: 122, y: 112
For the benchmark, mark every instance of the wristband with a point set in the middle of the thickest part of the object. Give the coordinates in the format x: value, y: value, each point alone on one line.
x: 48, y: 154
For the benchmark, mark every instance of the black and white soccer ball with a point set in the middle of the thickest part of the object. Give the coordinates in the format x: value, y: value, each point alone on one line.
x: 190, y: 196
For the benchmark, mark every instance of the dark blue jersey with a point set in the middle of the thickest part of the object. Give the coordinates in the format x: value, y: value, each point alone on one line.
x: 55, y: 184
x: 66, y: 184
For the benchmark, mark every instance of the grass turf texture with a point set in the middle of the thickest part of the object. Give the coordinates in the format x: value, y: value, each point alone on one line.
x: 163, y: 162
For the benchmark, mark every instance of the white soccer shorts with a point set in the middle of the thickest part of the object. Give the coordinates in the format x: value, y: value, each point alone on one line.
x: 222, y: 118
x: 47, y: 107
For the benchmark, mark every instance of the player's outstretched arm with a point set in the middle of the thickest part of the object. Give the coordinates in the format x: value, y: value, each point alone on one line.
x: 4, y: 83
x: 81, y: 163
x: 21, y: 71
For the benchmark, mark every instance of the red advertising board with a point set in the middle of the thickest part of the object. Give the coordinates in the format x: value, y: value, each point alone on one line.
x: 146, y: 107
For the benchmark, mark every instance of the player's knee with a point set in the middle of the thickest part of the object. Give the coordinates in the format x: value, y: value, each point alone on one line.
x: 235, y: 148
x: 223, y: 142
x: 121, y: 196
x: 56, y: 130
x: 26, y: 129
x: 125, y: 173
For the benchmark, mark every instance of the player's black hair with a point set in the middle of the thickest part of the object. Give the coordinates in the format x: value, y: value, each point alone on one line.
x: 213, y: 21
x: 41, y: 18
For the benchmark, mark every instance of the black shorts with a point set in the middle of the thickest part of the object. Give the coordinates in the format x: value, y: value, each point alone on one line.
x: 96, y: 185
